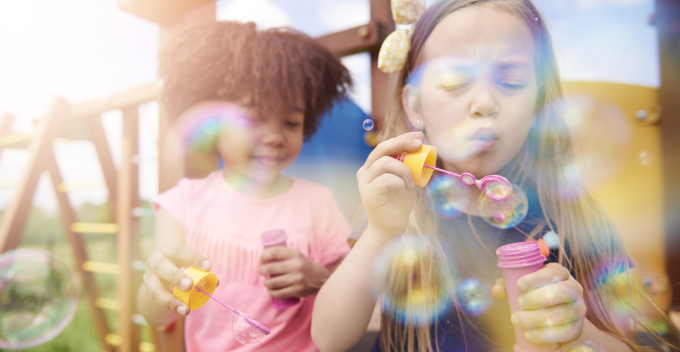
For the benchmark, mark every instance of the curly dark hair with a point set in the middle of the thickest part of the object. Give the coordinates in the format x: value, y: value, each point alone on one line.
x: 275, y: 70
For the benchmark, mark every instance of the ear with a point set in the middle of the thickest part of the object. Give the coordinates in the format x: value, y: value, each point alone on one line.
x: 410, y: 100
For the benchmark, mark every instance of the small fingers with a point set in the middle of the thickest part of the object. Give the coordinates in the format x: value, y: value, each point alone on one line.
x: 184, y: 255
x: 407, y: 142
x: 169, y: 272
x: 551, y: 316
x: 564, y: 333
x: 157, y: 292
x: 282, y: 281
x: 387, y: 165
x: 498, y: 289
x: 281, y: 267
x: 277, y: 254
x: 287, y: 292
x: 545, y: 276
x: 551, y: 295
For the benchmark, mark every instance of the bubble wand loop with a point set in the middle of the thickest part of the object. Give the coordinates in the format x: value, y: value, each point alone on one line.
x: 249, y: 320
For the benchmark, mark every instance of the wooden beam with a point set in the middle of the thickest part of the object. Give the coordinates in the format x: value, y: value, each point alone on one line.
x: 128, y: 98
x: 159, y: 11
x: 668, y: 24
x: 128, y: 235
x: 101, y: 145
x: 68, y: 217
x: 354, y: 40
x: 40, y: 150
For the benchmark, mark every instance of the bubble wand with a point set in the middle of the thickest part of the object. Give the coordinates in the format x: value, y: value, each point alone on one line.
x: 252, y: 322
x: 421, y: 163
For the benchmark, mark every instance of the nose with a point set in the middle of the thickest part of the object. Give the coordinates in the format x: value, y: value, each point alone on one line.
x: 272, y: 134
x: 484, y: 102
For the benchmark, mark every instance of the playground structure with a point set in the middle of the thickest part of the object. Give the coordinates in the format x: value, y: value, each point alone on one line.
x: 652, y: 133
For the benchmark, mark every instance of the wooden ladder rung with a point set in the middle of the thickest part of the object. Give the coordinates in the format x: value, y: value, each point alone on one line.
x: 116, y: 340
x: 99, y: 267
x: 84, y: 186
x: 106, y: 303
x: 15, y: 140
x: 97, y: 228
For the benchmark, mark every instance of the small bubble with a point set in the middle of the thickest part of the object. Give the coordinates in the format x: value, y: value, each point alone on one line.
x: 368, y: 124
x: 504, y: 214
x: 644, y: 158
x: 244, y: 332
x: 474, y: 296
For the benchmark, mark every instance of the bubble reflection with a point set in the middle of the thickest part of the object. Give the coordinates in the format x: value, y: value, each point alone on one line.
x: 447, y: 196
x: 504, y: 214
x: 473, y: 296
x: 244, y: 332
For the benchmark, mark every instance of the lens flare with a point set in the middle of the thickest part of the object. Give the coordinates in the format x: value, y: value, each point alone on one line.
x: 504, y: 214
x: 244, y: 332
x: 427, y: 296
x: 447, y: 196
x: 473, y: 296
x: 38, y: 298
x: 368, y: 124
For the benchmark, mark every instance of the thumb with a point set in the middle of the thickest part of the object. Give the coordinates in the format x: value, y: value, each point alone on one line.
x: 498, y: 289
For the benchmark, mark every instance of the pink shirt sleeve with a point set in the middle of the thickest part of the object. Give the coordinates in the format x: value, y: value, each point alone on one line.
x: 174, y: 201
x: 334, y: 232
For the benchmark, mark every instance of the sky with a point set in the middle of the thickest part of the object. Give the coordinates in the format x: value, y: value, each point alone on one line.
x: 87, y: 49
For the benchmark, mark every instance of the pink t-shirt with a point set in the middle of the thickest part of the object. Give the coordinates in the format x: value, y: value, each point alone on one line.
x: 225, y: 226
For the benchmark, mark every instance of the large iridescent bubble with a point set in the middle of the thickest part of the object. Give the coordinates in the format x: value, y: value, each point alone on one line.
x: 447, y: 196
x: 473, y: 296
x: 38, y: 298
x: 428, y: 295
x: 504, y: 214
x: 244, y: 332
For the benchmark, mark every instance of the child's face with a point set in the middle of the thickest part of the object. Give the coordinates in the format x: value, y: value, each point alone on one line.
x: 262, y: 148
x: 477, y: 100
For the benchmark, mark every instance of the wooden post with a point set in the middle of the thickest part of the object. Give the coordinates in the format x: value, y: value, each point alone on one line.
x: 668, y: 25
x: 68, y: 217
x: 105, y: 160
x: 128, y: 235
x: 40, y: 147
x: 381, y: 13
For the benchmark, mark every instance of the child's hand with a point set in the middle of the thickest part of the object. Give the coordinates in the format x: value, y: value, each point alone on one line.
x: 162, y: 270
x: 553, y: 306
x: 386, y: 184
x: 294, y: 275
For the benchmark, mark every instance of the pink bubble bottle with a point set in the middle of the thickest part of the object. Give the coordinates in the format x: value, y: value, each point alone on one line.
x: 277, y: 238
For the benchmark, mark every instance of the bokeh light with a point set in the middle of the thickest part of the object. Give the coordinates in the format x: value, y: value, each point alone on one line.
x: 38, y: 298
x: 473, y: 296
x: 504, y: 214
x: 447, y: 196
x: 244, y: 332
x: 428, y: 296
x: 368, y: 124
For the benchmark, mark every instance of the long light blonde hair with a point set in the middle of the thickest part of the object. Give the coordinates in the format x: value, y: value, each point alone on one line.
x: 580, y: 222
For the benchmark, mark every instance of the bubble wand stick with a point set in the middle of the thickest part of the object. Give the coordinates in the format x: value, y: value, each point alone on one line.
x: 421, y: 163
x: 256, y: 324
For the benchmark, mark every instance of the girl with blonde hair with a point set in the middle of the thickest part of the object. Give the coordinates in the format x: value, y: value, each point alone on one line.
x: 489, y: 103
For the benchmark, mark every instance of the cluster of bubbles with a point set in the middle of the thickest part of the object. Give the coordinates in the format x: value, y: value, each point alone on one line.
x: 473, y: 296
x: 448, y: 197
x: 428, y: 298
x: 38, y: 298
x: 505, y: 214
x: 244, y: 332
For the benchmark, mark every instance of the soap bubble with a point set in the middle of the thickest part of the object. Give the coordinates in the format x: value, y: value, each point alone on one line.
x: 423, y: 301
x: 644, y: 158
x: 368, y: 124
x: 447, y: 196
x: 244, y: 332
x: 38, y: 298
x: 473, y: 296
x: 504, y: 214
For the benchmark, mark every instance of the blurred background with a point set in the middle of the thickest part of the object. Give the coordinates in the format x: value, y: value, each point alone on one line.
x: 77, y: 174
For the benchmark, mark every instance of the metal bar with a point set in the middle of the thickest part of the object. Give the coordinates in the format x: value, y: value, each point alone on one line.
x: 95, y: 228
x: 110, y: 304
x: 84, y: 186
x: 102, y: 268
